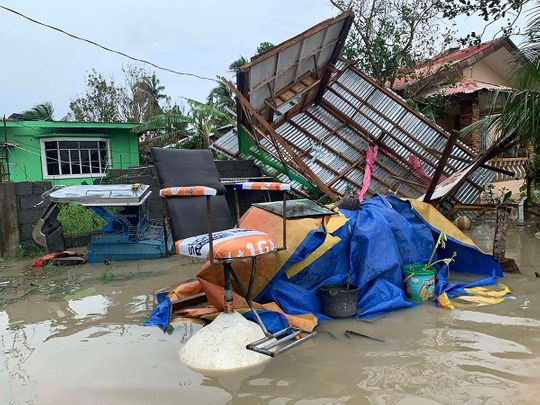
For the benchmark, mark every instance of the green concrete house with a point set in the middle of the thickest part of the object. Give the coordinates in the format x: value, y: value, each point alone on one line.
x: 66, y: 152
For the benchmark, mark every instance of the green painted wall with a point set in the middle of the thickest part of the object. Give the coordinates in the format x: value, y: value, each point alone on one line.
x: 25, y: 161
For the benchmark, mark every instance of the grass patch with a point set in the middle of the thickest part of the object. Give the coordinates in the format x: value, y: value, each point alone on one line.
x: 106, y: 275
x: 77, y: 220
x: 30, y: 250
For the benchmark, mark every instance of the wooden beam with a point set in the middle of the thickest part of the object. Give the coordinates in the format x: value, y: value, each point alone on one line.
x: 355, y: 147
x: 394, y: 123
x: 490, y: 153
x: 337, y: 153
x: 440, y: 166
x: 346, y: 171
x: 485, y: 166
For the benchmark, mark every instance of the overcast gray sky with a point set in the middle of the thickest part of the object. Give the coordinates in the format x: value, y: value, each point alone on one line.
x: 203, y: 37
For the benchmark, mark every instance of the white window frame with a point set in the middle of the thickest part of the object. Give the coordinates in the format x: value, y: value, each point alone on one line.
x: 72, y: 176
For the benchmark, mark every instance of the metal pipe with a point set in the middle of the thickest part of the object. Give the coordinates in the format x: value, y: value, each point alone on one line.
x: 237, y: 206
x: 209, y: 222
x: 287, y: 338
x: 165, y: 224
x: 248, y: 299
x: 252, y: 277
x: 228, y: 296
x: 284, y: 220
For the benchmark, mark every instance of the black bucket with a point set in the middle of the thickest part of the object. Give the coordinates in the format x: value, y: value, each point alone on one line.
x: 338, y: 301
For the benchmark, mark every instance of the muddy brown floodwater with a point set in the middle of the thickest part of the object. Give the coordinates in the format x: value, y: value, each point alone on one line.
x: 75, y: 336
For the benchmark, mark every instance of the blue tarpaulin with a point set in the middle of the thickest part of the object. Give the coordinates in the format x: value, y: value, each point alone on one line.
x: 375, y: 243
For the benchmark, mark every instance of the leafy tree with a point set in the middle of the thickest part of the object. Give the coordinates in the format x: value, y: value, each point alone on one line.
x: 137, y: 99
x: 237, y: 64
x: 264, y: 46
x: 388, y: 38
x: 44, y: 112
x: 221, y: 98
x: 490, y: 11
x: 203, y: 118
x: 102, y: 101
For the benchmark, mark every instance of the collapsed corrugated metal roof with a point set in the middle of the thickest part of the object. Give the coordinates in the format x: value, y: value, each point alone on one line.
x: 227, y: 144
x: 323, y: 136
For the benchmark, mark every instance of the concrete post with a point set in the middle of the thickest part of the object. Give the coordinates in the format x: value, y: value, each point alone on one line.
x: 9, y: 229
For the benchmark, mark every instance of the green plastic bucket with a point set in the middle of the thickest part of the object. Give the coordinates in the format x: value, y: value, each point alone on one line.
x: 419, y: 282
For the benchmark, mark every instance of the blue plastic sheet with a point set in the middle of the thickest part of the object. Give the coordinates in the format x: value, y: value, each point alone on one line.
x: 375, y: 244
x: 377, y: 241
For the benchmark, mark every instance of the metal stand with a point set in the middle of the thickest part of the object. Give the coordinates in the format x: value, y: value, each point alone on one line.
x: 273, y: 344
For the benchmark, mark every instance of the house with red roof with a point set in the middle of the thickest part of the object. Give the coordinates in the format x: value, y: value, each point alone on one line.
x: 467, y: 79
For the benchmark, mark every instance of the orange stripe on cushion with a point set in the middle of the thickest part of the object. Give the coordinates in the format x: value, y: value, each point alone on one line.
x: 187, y: 191
x: 262, y: 186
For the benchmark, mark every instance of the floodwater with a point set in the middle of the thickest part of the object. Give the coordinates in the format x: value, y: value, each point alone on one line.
x: 75, y: 336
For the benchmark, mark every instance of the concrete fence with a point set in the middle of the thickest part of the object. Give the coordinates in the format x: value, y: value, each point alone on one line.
x: 19, y: 207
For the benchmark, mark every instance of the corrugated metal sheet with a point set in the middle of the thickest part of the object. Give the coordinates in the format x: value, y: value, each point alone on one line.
x: 227, y: 144
x: 465, y: 86
x: 333, y: 145
x: 276, y: 69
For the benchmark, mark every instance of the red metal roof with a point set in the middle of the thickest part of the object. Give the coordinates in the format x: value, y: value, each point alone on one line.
x: 450, y: 57
x: 466, y: 86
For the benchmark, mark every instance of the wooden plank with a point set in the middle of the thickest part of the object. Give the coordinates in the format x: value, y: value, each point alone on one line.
x: 346, y: 171
x: 485, y: 166
x: 491, y: 152
x: 442, y: 162
x: 393, y: 122
x: 337, y: 153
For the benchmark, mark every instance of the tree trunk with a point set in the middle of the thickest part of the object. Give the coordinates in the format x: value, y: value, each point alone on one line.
x: 530, y: 170
x: 9, y: 228
x: 501, y: 228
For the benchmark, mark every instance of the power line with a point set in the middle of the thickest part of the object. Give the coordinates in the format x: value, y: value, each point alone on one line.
x: 166, y: 69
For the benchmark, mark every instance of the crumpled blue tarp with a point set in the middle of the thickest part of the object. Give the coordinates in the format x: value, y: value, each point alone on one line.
x: 376, y: 242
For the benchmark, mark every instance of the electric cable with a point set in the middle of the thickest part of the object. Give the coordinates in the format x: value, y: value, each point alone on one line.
x: 94, y: 43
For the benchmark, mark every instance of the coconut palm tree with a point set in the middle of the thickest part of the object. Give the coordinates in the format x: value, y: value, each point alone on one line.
x: 221, y: 97
x: 43, y: 112
x: 153, y: 89
x: 192, y: 128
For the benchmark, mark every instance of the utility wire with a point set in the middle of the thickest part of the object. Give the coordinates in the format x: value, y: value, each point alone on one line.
x: 166, y: 69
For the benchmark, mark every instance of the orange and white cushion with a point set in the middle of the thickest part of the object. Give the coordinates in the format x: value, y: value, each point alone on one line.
x: 258, y: 185
x: 228, y: 244
x: 187, y: 191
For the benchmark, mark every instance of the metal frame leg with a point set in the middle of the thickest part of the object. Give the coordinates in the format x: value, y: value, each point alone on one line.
x: 227, y: 270
x: 247, y: 296
x: 273, y: 344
